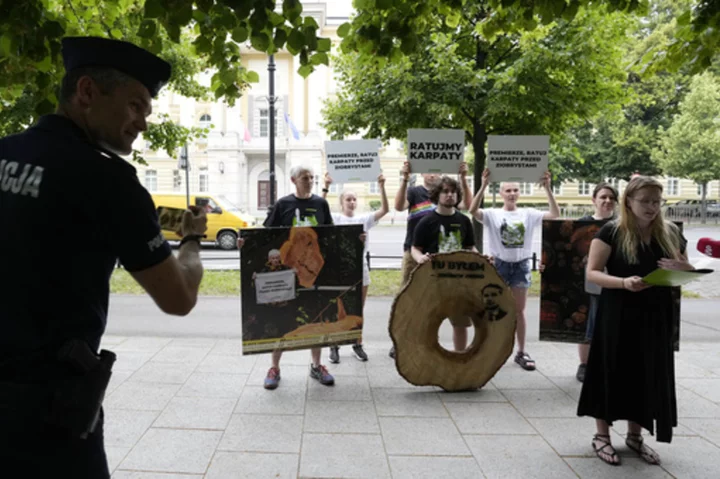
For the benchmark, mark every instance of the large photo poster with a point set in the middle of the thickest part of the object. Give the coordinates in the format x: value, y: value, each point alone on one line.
x: 564, y: 302
x: 301, y: 287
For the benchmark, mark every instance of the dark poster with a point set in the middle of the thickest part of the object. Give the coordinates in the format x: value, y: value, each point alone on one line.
x: 301, y: 287
x: 564, y: 304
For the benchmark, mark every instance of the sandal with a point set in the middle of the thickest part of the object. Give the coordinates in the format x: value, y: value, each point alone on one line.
x: 635, y: 442
x: 607, y: 456
x: 525, y: 361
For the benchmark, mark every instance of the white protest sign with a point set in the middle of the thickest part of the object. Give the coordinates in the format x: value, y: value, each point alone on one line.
x: 436, y: 151
x: 518, y: 158
x: 353, y: 161
x: 275, y: 286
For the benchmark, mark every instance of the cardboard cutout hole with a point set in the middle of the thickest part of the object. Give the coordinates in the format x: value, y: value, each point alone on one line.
x: 446, y: 336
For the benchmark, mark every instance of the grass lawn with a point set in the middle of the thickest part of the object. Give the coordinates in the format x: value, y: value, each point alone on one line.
x: 385, y: 282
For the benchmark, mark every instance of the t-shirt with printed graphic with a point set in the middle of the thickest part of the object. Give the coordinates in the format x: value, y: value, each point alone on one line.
x: 510, y: 233
x: 437, y: 233
x: 293, y: 211
x: 367, y: 220
x: 419, y: 206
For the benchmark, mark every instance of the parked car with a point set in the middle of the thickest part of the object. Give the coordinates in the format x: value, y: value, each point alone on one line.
x: 692, y: 208
x: 224, y: 220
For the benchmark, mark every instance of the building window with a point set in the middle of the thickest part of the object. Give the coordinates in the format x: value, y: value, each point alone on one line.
x: 265, y: 123
x: 557, y: 189
x: 205, y: 121
x: 264, y: 194
x: 203, y: 184
x: 374, y: 188
x: 151, y: 180
x: 177, y: 180
x: 673, y: 187
x: 526, y: 189
x: 614, y: 182
x: 585, y: 188
x: 334, y: 188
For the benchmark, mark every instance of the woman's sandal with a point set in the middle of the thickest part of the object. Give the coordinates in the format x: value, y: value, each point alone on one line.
x: 609, y: 457
x: 635, y: 442
x: 525, y: 361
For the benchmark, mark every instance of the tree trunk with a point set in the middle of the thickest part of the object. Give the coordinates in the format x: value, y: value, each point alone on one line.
x: 703, y: 203
x: 479, y: 140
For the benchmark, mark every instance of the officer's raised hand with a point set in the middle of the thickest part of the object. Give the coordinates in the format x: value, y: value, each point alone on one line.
x: 194, y: 222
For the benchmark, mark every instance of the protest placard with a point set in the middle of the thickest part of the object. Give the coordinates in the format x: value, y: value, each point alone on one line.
x: 301, y: 287
x: 352, y: 160
x: 275, y: 286
x: 436, y: 151
x: 564, y: 299
x: 517, y: 158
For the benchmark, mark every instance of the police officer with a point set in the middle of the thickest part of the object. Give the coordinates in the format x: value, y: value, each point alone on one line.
x: 70, y: 207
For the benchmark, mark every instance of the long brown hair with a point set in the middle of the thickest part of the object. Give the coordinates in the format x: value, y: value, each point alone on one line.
x: 664, y: 232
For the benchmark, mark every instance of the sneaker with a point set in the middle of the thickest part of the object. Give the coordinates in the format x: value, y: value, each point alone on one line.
x: 272, y: 379
x: 321, y: 373
x: 580, y: 375
x: 392, y: 352
x: 334, y: 354
x: 360, y: 352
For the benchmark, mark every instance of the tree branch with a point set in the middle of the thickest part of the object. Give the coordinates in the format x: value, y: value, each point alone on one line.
x: 80, y: 22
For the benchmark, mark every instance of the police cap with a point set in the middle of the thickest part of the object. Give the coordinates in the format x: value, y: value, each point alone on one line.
x: 148, y: 69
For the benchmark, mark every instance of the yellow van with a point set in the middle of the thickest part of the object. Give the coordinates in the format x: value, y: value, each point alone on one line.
x: 224, y: 218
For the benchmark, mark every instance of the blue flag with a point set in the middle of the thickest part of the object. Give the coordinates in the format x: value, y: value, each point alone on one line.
x: 293, y: 128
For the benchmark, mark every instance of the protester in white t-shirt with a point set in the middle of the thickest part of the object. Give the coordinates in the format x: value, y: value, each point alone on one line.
x: 510, y: 233
x: 348, y: 204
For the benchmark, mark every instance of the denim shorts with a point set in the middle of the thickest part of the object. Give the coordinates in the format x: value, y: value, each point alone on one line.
x: 592, y: 316
x: 515, y: 275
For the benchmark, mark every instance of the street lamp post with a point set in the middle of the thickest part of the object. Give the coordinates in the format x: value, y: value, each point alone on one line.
x: 271, y: 101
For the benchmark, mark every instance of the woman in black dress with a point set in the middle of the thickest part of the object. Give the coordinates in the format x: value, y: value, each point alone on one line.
x: 630, y: 372
x: 604, y: 200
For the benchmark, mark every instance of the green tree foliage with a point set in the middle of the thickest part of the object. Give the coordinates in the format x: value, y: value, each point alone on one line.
x: 389, y: 28
x: 691, y: 146
x: 618, y: 143
x: 192, y: 35
x: 542, y: 81
x: 695, y: 41
x: 538, y: 82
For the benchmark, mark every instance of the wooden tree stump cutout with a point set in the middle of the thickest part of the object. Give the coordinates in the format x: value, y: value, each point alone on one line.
x: 461, y: 283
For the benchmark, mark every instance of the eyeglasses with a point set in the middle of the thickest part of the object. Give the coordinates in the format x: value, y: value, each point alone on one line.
x: 646, y: 203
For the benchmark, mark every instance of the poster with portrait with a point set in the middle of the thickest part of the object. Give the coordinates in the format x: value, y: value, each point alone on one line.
x: 564, y: 302
x: 301, y: 287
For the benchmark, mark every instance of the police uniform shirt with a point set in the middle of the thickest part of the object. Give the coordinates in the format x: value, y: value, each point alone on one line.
x: 68, y: 211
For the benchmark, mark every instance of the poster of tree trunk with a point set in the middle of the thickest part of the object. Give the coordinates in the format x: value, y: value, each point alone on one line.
x: 301, y: 287
x: 564, y: 303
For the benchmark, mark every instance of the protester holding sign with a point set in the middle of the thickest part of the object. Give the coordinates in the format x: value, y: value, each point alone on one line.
x: 416, y: 200
x: 442, y: 231
x: 510, y: 233
x: 630, y: 372
x: 348, y: 204
x: 302, y: 208
x: 604, y: 199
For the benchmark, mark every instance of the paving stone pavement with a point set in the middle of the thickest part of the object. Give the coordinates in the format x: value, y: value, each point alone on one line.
x: 195, y: 408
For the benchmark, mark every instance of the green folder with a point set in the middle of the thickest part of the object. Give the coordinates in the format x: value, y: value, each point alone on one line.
x: 668, y: 277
